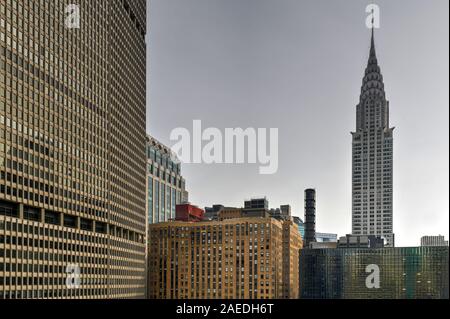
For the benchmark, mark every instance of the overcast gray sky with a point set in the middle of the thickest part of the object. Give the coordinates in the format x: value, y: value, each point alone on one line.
x: 297, y: 65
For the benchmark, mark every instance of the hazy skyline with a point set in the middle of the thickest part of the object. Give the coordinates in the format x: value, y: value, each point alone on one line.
x: 298, y: 65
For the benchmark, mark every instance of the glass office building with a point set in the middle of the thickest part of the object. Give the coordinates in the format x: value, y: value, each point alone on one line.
x: 300, y: 225
x: 404, y: 273
x: 166, y: 188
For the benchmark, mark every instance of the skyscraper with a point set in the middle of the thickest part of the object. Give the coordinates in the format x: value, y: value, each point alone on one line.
x: 372, y: 178
x: 72, y: 149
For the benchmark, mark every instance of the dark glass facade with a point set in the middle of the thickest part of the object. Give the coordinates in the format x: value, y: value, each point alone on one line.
x: 404, y: 273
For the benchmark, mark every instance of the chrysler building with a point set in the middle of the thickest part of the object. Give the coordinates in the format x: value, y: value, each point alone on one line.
x: 372, y: 171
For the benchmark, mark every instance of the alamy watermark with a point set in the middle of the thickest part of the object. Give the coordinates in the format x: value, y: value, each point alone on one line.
x: 234, y: 146
x: 73, y: 279
x: 373, y: 279
x: 373, y: 19
x: 73, y: 16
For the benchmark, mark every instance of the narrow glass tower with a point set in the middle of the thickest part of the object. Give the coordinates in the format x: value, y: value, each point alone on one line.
x: 372, y: 172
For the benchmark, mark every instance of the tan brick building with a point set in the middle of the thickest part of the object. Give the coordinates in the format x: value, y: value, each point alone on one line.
x: 292, y: 243
x: 243, y: 258
x: 229, y: 213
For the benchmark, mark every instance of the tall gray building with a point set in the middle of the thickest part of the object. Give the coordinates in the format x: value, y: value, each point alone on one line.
x: 372, y: 179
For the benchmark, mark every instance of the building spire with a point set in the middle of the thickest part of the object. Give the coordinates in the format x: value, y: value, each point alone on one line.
x: 373, y: 53
x: 373, y: 79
